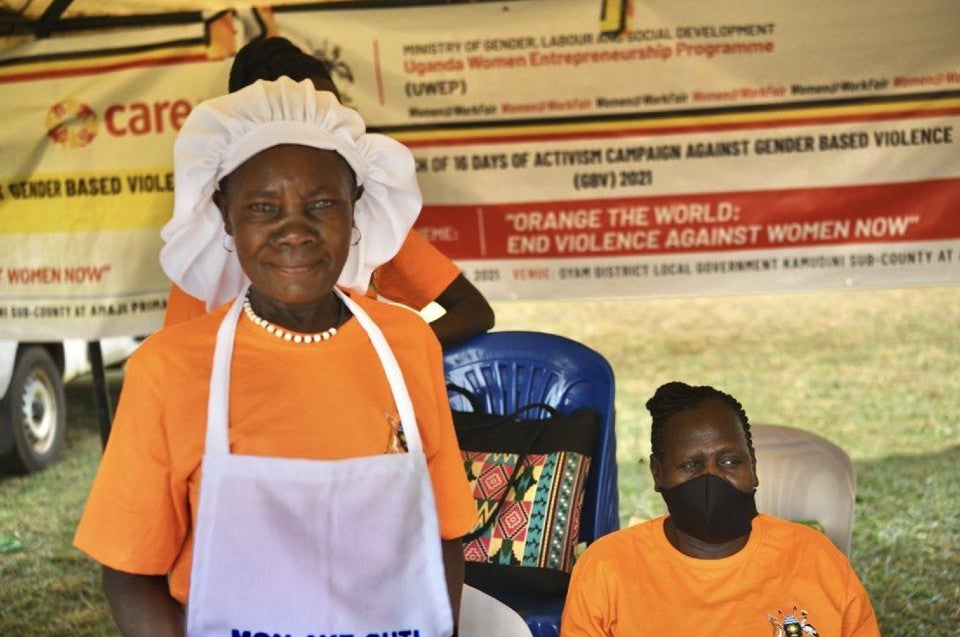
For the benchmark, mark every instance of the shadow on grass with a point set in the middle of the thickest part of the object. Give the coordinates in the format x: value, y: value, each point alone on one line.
x: 906, y: 541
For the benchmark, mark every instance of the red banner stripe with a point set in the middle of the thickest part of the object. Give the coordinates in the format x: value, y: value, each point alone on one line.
x: 712, y: 222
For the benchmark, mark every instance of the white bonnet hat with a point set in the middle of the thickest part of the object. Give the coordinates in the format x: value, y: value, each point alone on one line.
x: 223, y: 132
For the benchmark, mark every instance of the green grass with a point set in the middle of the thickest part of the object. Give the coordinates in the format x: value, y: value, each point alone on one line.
x: 877, y: 372
x: 48, y: 587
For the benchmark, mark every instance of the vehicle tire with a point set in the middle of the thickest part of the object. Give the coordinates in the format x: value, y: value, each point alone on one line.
x: 35, y: 411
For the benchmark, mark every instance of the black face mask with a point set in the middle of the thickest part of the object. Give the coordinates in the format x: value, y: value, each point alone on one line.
x: 710, y: 508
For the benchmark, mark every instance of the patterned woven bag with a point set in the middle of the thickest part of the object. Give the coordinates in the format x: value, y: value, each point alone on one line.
x: 528, y: 478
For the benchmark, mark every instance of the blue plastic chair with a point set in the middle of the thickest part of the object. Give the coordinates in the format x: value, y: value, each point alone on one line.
x: 510, y: 369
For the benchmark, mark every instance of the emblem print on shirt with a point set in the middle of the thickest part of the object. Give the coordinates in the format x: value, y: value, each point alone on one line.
x: 791, y: 625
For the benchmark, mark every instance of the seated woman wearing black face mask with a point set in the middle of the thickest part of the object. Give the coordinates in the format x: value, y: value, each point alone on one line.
x: 713, y: 565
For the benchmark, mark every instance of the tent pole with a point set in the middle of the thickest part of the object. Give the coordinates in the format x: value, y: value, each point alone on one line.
x: 100, y: 393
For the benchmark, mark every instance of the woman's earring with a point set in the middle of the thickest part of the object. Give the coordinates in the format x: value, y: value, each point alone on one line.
x: 228, y: 243
x: 357, y: 236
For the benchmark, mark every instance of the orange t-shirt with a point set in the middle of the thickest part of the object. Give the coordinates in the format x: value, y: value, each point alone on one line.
x: 634, y: 582
x: 326, y: 400
x: 415, y: 277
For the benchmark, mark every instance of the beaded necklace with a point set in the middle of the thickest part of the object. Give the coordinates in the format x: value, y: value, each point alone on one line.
x: 293, y: 337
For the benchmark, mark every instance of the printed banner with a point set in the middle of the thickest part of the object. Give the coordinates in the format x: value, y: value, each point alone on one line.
x: 87, y: 179
x: 566, y: 148
x: 572, y: 148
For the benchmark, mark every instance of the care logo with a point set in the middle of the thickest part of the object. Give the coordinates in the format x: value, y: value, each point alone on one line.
x: 71, y: 123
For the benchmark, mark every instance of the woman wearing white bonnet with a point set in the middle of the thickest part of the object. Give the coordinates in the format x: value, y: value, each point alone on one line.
x: 419, y: 275
x: 332, y: 496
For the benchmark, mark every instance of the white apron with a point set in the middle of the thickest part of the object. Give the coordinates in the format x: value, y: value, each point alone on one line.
x: 309, y: 548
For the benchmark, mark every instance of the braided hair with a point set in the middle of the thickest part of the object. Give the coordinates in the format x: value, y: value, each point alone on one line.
x: 272, y: 57
x: 675, y: 397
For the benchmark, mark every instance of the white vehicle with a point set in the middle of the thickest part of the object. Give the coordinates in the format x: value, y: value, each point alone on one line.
x: 33, y: 406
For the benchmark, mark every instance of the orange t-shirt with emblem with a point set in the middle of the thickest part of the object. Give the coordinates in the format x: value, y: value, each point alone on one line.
x: 325, y: 400
x: 415, y: 277
x: 634, y: 582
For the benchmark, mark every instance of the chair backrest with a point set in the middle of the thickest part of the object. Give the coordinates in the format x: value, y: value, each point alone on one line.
x: 510, y: 369
x: 805, y: 477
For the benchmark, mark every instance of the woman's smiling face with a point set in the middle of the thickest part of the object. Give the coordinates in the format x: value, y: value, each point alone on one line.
x: 289, y: 209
